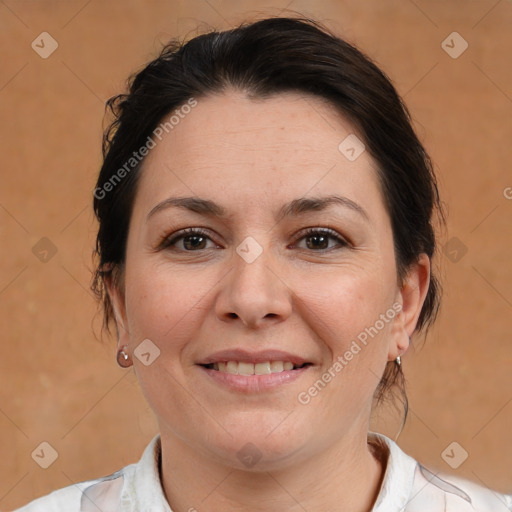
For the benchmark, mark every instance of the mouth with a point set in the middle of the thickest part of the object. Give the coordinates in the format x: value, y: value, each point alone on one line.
x: 249, y: 368
x: 253, y: 372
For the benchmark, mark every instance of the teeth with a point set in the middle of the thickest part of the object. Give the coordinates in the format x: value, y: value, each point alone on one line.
x: 231, y: 367
x: 276, y: 366
x: 245, y: 368
x: 241, y: 368
x: 262, y: 368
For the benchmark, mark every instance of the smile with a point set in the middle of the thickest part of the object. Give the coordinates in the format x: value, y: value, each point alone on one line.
x: 244, y: 371
x: 244, y: 368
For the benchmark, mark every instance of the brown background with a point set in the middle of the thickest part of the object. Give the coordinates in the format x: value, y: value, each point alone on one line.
x: 61, y: 385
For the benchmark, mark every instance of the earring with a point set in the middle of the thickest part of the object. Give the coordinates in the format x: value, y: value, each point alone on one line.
x: 123, y: 359
x: 398, y: 361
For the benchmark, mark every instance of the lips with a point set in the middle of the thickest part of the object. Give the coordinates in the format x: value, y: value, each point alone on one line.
x: 253, y: 372
x: 242, y: 362
x: 244, y: 356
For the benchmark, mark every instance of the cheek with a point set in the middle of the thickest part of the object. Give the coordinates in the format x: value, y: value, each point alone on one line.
x: 350, y: 315
x: 163, y: 302
x: 163, y: 305
x: 345, y: 302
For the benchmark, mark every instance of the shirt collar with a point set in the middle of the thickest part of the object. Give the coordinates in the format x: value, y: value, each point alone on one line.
x: 145, y: 492
x: 398, y: 477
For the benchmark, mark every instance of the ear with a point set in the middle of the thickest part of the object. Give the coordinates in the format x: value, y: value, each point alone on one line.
x: 411, y: 297
x: 116, y: 294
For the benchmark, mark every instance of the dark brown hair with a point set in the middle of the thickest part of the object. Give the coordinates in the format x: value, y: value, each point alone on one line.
x: 264, y: 58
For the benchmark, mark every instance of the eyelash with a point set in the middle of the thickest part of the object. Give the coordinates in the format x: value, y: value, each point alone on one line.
x: 169, y: 241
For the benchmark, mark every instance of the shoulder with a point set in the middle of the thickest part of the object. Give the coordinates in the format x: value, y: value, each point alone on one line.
x: 59, y: 501
x: 125, y: 490
x: 408, y: 486
x: 455, y: 494
x: 80, y: 497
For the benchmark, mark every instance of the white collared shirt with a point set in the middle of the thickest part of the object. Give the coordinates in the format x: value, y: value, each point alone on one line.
x: 407, y: 487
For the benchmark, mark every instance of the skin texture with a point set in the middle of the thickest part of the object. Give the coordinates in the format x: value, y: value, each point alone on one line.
x: 251, y: 157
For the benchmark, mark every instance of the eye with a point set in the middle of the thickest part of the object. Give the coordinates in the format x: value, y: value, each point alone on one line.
x: 318, y: 239
x: 193, y: 239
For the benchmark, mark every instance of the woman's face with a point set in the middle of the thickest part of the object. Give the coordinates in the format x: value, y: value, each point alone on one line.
x: 254, y: 292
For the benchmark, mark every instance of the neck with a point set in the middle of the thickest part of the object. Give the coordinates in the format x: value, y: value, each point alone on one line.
x: 346, y: 476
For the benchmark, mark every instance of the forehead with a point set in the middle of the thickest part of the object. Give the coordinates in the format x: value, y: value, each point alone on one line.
x: 249, y: 151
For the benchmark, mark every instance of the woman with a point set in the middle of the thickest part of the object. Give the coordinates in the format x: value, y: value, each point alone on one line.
x: 265, y: 244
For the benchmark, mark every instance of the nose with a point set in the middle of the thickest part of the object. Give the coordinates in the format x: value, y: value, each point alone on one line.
x: 254, y: 292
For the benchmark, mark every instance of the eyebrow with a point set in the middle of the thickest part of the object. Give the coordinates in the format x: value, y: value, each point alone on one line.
x: 293, y: 208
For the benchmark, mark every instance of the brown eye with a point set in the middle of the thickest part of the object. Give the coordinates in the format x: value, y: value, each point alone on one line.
x: 194, y: 239
x: 318, y: 239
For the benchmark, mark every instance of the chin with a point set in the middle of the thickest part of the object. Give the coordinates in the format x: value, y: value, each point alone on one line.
x: 254, y: 447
